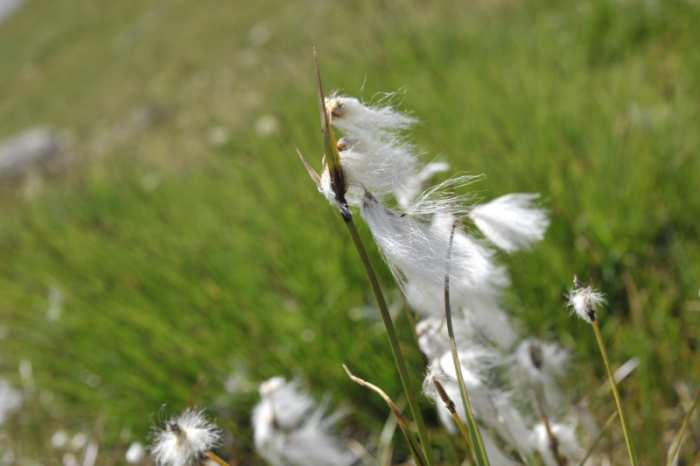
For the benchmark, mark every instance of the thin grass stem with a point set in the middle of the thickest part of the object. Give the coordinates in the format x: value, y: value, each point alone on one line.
x: 616, y: 394
x: 479, y: 451
x: 216, y: 458
x: 680, y: 436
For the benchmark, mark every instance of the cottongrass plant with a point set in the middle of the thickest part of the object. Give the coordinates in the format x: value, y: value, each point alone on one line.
x: 451, y: 279
x: 586, y: 302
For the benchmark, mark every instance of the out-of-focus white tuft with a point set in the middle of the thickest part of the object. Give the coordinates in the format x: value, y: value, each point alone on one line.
x: 511, y: 222
x: 493, y: 407
x: 537, y: 365
x: 585, y: 301
x: 292, y: 430
x: 568, y: 445
x: 10, y: 400
x: 494, y: 452
x: 135, y: 453
x: 59, y: 439
x: 433, y: 339
x: 184, y: 440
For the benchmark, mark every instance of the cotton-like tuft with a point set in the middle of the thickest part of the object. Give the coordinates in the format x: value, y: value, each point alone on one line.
x: 568, y: 445
x: 511, y: 222
x: 417, y: 252
x: 292, y: 430
x: 537, y: 365
x: 585, y: 302
x: 495, y: 453
x: 362, y: 122
x: 135, y: 453
x: 10, y: 400
x: 184, y: 440
x: 406, y: 194
x: 381, y: 167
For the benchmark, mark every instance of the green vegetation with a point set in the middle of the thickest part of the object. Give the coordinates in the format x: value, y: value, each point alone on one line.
x: 185, y: 257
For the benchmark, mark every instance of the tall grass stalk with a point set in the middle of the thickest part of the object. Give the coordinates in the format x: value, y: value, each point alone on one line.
x: 338, y: 184
x: 216, y: 459
x: 616, y: 394
x: 680, y: 436
x: 479, y: 451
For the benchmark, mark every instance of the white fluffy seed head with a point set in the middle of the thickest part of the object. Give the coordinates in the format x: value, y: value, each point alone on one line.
x: 184, y: 440
x: 360, y: 122
x: 290, y: 429
x: 585, y: 301
x: 511, y: 222
x: 417, y: 252
x: 382, y: 167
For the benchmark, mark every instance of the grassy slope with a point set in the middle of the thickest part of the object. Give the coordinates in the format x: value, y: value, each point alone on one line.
x: 233, y: 260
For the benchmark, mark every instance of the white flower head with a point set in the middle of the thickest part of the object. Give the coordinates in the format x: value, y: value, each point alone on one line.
x: 292, y: 430
x: 184, y: 440
x: 511, y: 222
x: 585, y: 301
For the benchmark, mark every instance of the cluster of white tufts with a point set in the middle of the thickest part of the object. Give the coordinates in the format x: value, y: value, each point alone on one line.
x: 513, y: 383
x: 292, y: 430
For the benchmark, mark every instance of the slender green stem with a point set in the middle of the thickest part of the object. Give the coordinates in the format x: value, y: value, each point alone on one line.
x: 479, y: 451
x: 216, y: 458
x: 678, y: 441
x: 391, y: 333
x: 616, y: 394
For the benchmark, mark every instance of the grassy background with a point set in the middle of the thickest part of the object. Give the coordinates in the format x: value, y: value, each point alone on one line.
x: 183, y: 261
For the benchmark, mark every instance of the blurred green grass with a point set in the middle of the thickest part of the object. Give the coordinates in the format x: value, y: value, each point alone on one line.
x: 182, y: 261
